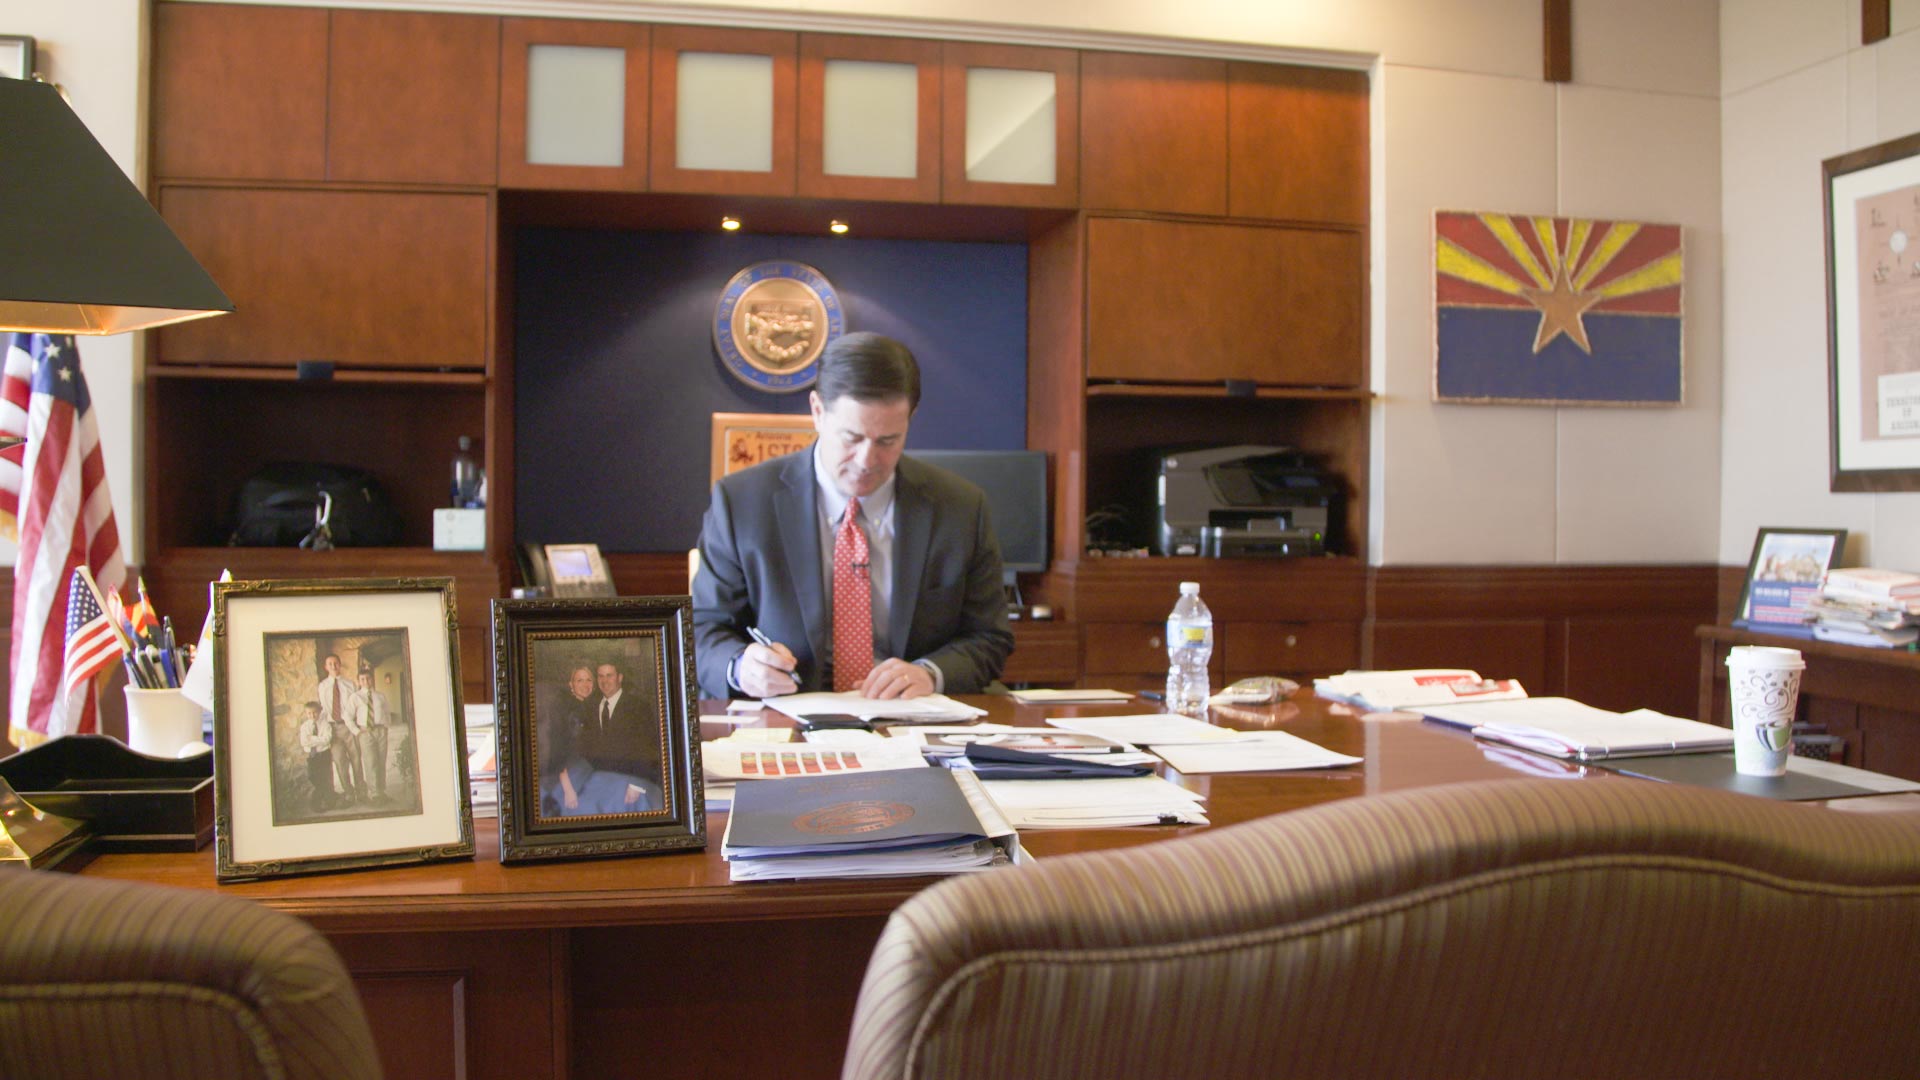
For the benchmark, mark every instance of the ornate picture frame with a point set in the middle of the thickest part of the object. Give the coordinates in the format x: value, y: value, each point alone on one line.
x: 1872, y: 218
x: 339, y: 737
x: 598, y: 728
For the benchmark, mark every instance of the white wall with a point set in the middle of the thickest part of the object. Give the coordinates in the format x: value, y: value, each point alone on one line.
x: 1462, y: 121
x: 1796, y: 88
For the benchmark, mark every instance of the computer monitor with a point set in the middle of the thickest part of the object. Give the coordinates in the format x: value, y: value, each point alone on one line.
x: 1016, y: 485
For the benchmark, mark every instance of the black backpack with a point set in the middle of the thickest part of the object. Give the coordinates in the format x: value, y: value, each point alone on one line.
x: 278, y: 507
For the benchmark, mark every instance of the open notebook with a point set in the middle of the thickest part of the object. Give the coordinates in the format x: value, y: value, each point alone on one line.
x: 1566, y: 728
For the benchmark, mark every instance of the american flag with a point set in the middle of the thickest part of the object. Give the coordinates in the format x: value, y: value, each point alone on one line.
x: 92, y: 647
x: 65, y: 521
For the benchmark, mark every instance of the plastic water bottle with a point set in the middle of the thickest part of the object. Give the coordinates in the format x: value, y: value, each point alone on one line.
x: 466, y: 475
x: 1189, y: 647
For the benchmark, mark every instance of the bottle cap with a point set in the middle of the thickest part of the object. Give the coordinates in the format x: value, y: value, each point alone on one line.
x: 1188, y: 588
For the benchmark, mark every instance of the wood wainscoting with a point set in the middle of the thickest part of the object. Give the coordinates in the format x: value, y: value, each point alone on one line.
x: 1618, y: 637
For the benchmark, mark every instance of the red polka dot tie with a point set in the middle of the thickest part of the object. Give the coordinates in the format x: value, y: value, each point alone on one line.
x: 852, y: 603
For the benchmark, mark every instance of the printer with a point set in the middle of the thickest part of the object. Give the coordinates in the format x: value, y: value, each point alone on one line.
x: 1244, y: 501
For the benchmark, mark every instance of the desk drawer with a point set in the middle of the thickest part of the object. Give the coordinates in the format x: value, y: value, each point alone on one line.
x: 1136, y: 648
x: 1044, y: 652
x: 1289, y: 648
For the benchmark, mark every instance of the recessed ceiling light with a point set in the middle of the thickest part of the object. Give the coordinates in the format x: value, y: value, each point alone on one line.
x: 837, y: 227
x: 730, y: 223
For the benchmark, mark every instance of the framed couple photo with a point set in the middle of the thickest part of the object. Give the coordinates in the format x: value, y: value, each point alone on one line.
x: 338, y: 733
x: 598, y: 728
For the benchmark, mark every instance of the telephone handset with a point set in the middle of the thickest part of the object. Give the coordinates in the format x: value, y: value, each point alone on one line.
x: 566, y: 571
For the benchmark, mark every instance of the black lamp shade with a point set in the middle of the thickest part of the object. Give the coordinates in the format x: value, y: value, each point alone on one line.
x: 81, y: 250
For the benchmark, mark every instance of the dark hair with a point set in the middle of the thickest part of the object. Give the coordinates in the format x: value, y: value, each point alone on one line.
x: 868, y: 367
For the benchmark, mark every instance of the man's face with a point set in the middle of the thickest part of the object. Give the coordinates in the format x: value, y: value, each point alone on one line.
x: 861, y: 441
x: 581, y: 684
x: 333, y: 666
x: 609, y: 679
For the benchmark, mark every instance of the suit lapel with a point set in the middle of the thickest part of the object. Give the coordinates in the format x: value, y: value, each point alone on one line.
x: 797, y: 507
x: 912, y: 528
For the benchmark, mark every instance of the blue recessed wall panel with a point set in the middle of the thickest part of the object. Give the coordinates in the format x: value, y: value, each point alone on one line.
x: 616, y: 378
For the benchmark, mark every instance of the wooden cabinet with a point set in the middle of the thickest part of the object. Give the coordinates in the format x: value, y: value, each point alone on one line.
x: 886, y: 146
x: 1299, y: 649
x: 592, y: 75
x: 239, y: 93
x: 363, y: 279
x: 1186, y: 301
x: 1153, y: 133
x: 1010, y: 125
x: 723, y: 121
x: 413, y: 98
x: 1297, y: 143
x: 1046, y: 652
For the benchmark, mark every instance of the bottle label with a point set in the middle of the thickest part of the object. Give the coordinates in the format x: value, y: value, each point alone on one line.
x: 1194, y: 634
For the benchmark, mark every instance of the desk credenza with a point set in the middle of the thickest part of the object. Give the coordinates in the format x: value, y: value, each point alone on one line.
x: 659, y: 967
x: 1870, y: 698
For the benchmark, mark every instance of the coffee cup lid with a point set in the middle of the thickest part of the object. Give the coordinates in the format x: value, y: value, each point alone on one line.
x: 1765, y: 656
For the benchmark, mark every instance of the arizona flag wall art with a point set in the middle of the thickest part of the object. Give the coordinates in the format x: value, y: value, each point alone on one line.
x: 1555, y: 311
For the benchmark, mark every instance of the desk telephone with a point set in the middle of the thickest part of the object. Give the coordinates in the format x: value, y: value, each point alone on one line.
x: 566, y: 571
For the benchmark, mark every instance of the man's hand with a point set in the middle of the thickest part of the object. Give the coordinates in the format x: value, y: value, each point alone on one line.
x: 896, y: 678
x: 766, y: 672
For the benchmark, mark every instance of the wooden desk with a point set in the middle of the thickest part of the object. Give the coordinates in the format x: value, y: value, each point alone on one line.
x: 659, y: 966
x: 1869, y: 697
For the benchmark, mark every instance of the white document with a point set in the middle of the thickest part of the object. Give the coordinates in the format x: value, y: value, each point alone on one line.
x: 931, y: 708
x: 1566, y: 728
x: 1090, y: 804
x: 1151, y: 729
x: 1382, y: 691
x: 728, y: 760
x: 1271, y: 751
x: 1063, y: 697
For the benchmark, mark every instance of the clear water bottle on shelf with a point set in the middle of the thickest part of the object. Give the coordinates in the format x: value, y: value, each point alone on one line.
x: 466, y: 475
x: 1189, y: 647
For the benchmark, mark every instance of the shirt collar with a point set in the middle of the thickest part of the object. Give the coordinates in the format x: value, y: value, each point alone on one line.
x: 873, y: 507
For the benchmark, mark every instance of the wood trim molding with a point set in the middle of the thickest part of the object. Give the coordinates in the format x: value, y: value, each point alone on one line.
x: 1876, y: 21
x: 1558, y: 26
x: 1492, y: 592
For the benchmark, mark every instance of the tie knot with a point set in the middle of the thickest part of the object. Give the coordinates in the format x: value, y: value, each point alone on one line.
x: 853, y: 510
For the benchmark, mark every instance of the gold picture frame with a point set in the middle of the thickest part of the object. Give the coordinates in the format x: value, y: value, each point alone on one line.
x: 742, y: 440
x: 339, y: 732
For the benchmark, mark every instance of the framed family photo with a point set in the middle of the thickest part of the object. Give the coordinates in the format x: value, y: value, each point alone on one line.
x: 338, y: 733
x: 1873, y: 295
x: 598, y: 727
x: 1785, y: 572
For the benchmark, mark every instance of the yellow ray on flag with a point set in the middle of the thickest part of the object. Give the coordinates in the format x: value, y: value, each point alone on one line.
x: 1543, y: 228
x: 1610, y: 245
x: 1658, y: 274
x: 1503, y: 230
x: 1455, y: 261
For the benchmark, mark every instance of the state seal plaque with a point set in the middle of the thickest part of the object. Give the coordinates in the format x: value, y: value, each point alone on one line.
x: 771, y: 323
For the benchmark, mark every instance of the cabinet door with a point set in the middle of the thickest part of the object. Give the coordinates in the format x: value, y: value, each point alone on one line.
x: 573, y: 104
x: 239, y: 93
x: 413, y: 98
x: 369, y: 279
x: 723, y: 111
x: 1153, y: 133
x: 1176, y: 301
x: 1010, y: 120
x: 869, y: 118
x: 1291, y: 648
x: 1297, y: 148
x: 1138, y: 649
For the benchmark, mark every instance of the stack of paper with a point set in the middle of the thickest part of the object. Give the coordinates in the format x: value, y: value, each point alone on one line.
x: 1091, y: 804
x: 1194, y: 746
x: 1864, y: 605
x: 883, y: 824
x: 1067, y: 697
x: 930, y: 709
x: 1569, y: 729
x: 1382, y: 691
x: 943, y: 742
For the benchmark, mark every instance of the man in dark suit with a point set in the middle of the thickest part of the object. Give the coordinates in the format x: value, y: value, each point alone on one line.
x: 797, y: 546
x: 619, y: 746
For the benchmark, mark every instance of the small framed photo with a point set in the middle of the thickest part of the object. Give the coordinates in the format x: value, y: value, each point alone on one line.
x: 1785, y: 574
x: 741, y: 440
x: 598, y: 727
x: 16, y: 57
x: 339, y: 740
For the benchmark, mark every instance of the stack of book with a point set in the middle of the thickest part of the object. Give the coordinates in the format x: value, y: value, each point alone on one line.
x: 890, y: 823
x: 1864, y: 605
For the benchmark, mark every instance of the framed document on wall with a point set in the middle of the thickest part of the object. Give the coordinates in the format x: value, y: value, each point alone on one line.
x: 741, y: 440
x: 1873, y: 316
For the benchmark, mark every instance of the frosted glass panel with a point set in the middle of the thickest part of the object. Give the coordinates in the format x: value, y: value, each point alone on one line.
x: 872, y: 119
x: 723, y: 116
x: 1010, y: 126
x: 576, y: 105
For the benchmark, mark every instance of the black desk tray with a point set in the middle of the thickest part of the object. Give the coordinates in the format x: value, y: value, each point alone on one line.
x: 134, y: 802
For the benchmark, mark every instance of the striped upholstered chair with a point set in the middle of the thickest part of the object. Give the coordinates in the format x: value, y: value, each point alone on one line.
x: 1527, y: 928
x: 103, y: 979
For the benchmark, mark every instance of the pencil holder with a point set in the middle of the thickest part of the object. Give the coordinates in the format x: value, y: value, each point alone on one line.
x: 163, y: 723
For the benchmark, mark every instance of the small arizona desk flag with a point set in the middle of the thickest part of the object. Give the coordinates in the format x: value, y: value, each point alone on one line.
x: 1553, y: 310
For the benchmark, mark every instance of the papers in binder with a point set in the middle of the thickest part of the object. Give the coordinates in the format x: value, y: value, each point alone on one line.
x: 1384, y: 691
x: 1566, y: 728
x: 885, y: 824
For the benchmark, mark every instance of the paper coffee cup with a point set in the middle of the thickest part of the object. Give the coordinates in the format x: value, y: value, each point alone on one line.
x: 1765, y: 686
